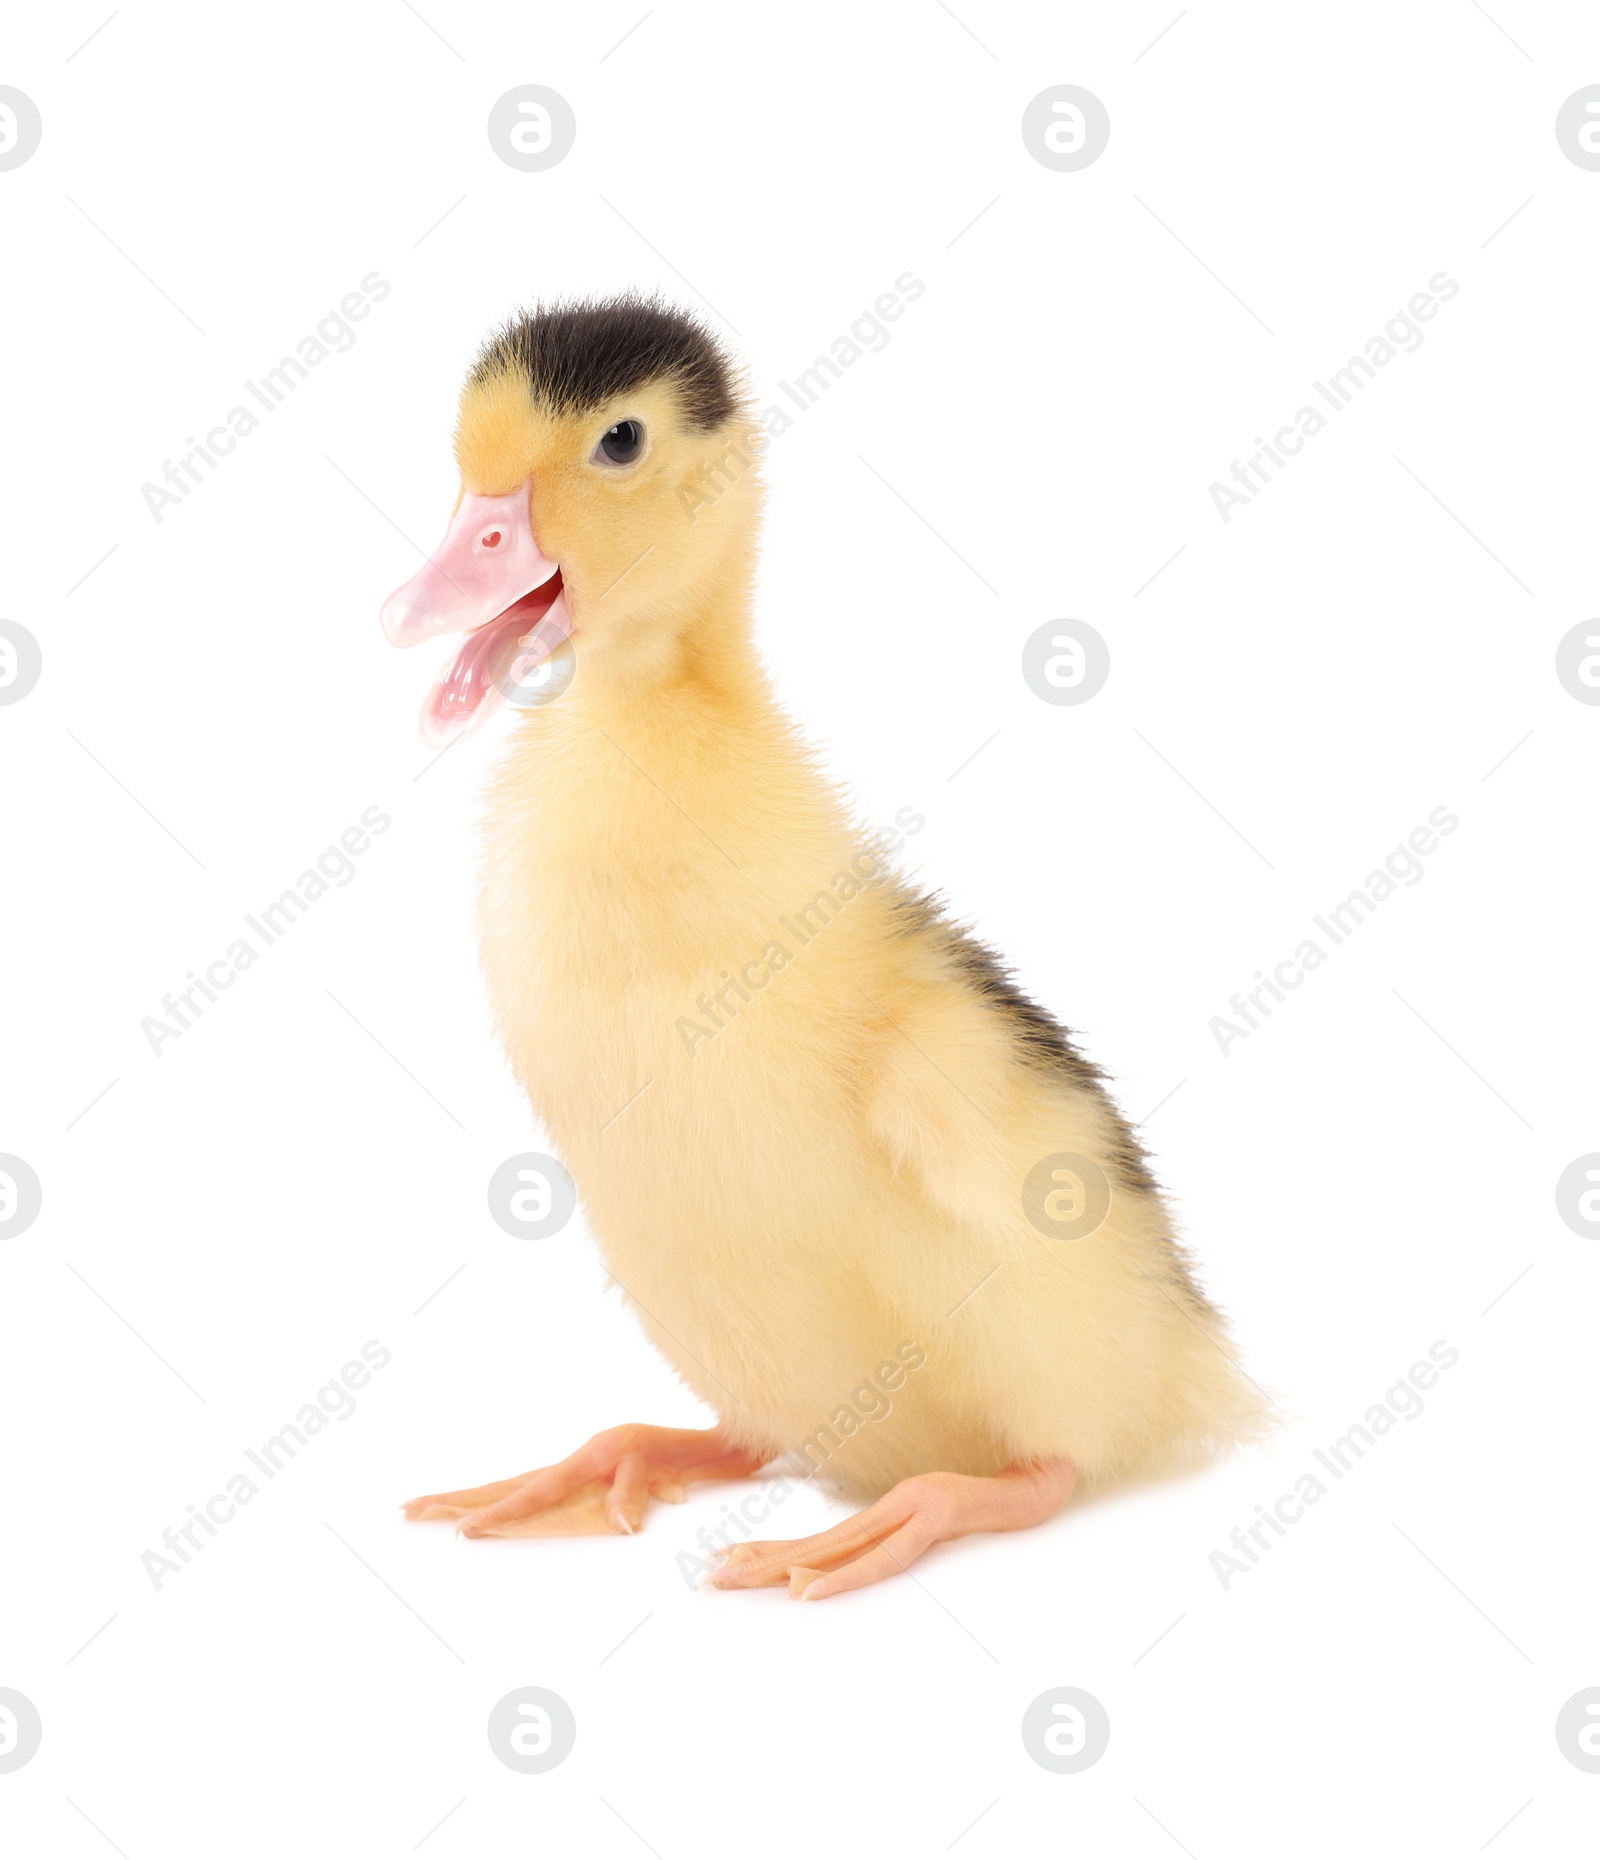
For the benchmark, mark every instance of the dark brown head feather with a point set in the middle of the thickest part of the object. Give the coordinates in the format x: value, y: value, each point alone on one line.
x: 580, y: 355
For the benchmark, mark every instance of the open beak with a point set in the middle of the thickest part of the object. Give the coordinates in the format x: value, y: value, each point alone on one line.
x: 489, y: 580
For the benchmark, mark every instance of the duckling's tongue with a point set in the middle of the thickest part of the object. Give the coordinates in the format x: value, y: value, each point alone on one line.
x: 493, y: 662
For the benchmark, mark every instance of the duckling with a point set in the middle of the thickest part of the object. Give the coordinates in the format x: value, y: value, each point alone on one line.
x: 866, y: 1197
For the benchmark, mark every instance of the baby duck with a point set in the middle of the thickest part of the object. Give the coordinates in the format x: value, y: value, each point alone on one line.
x: 826, y: 1144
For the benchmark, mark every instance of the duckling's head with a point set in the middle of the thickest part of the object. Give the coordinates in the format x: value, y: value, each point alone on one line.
x: 608, y: 491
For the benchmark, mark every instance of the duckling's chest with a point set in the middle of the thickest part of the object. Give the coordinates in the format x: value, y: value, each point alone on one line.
x: 668, y: 978
x: 613, y: 979
x: 690, y: 1040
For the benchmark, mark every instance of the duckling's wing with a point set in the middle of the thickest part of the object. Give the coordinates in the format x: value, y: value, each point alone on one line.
x: 975, y: 1088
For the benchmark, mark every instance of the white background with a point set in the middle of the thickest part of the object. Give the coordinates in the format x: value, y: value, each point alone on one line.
x: 1361, y: 1177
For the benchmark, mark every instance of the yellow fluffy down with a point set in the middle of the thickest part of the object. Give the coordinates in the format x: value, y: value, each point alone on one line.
x: 815, y: 1204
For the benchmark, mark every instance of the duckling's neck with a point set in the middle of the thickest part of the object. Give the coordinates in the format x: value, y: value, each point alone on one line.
x: 687, y: 644
x: 680, y: 757
x: 695, y: 669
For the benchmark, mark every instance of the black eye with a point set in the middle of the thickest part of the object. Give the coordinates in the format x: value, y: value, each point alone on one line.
x: 621, y: 443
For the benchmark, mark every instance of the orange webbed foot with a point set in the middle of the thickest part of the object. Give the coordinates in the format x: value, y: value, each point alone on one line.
x: 601, y: 1490
x: 888, y: 1537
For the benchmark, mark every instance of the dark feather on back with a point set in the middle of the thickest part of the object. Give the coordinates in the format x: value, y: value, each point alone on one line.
x: 1041, y: 1041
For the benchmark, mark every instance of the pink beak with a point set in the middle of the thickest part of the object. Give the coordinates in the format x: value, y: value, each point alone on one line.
x: 488, y: 559
x: 490, y: 580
